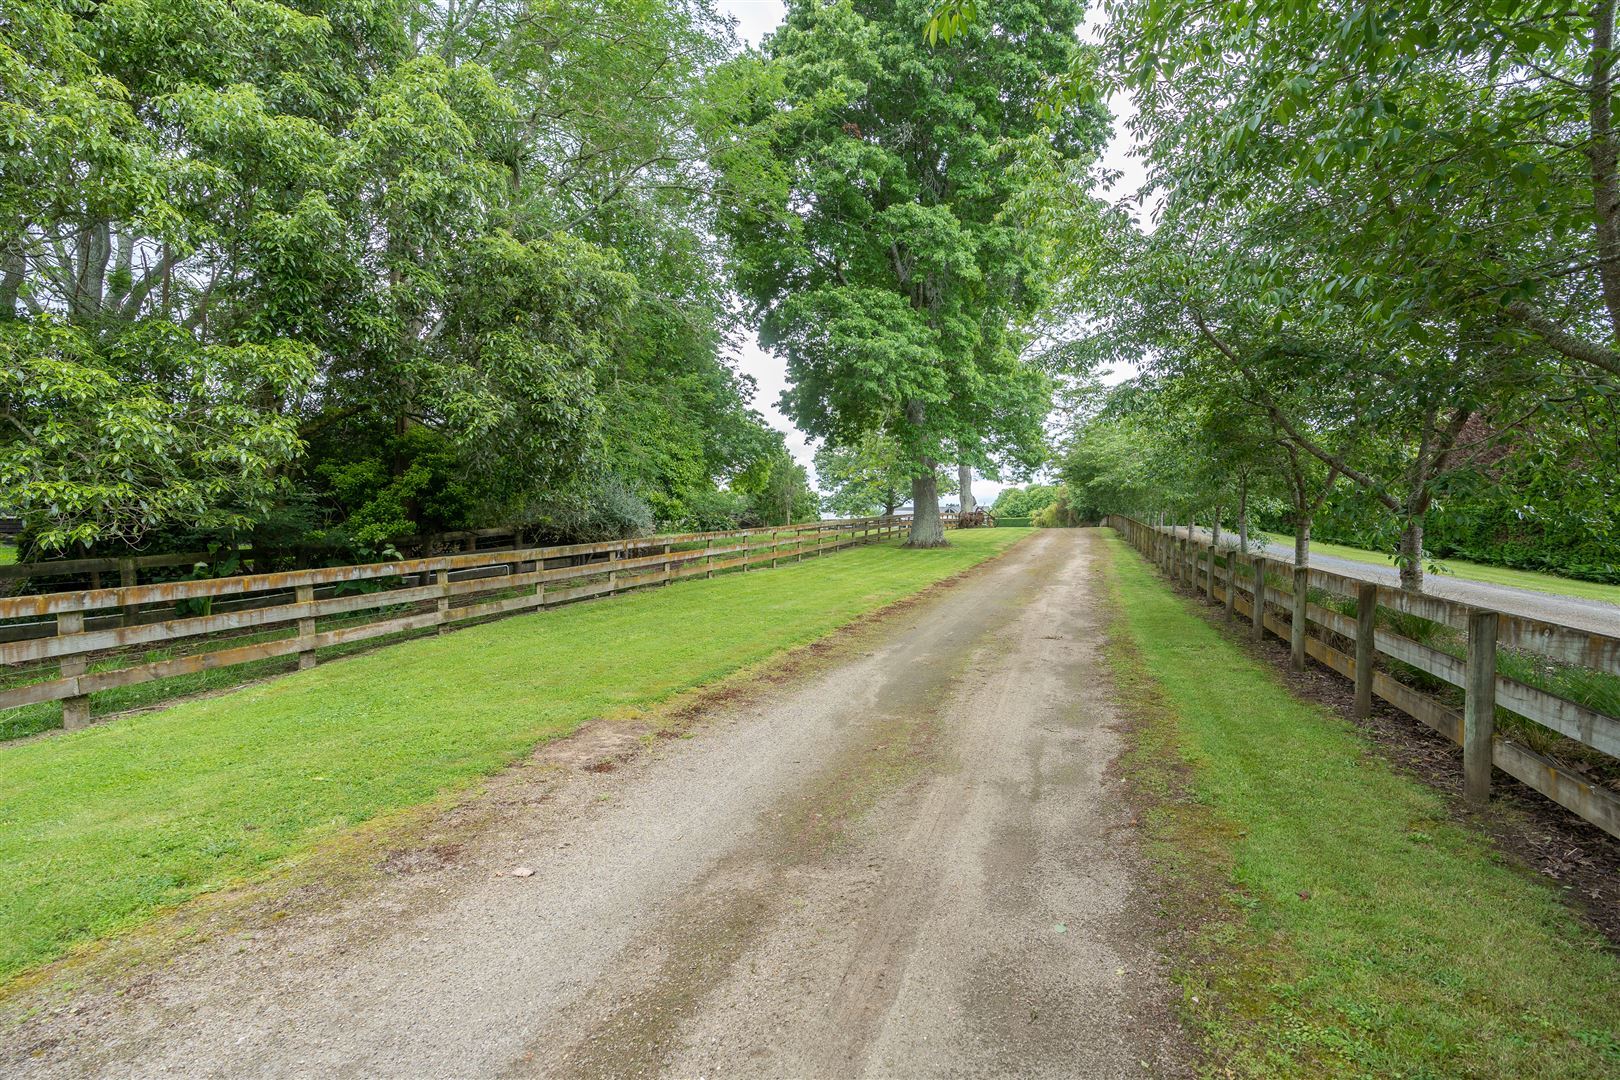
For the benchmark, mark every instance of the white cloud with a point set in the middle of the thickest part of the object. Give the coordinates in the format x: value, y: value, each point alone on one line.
x: 755, y: 18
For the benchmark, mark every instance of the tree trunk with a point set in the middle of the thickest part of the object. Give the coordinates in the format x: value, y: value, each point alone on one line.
x: 1603, y: 156
x: 1243, y: 516
x: 1215, y: 529
x: 1410, y: 558
x: 964, y: 480
x: 11, y: 283
x: 926, y: 529
x: 1302, y: 541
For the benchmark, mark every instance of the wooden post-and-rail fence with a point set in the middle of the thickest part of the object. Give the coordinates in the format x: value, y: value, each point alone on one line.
x: 66, y: 646
x: 1276, y: 596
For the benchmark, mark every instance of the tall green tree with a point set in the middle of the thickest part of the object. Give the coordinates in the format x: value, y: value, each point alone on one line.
x: 872, y: 477
x: 869, y: 232
x: 1465, y: 153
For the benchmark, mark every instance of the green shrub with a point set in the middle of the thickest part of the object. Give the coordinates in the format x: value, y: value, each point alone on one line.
x: 1024, y: 502
x: 1058, y: 514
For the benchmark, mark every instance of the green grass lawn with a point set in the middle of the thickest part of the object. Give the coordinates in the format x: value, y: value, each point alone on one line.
x: 1467, y: 571
x: 1354, y: 929
x: 101, y: 827
x: 8, y: 554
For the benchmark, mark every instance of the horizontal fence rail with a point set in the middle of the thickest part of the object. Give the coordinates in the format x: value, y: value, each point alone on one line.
x: 128, y: 568
x: 49, y: 642
x: 1275, y: 596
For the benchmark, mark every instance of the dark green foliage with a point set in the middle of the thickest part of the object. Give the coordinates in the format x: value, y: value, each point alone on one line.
x: 1057, y: 514
x: 342, y: 273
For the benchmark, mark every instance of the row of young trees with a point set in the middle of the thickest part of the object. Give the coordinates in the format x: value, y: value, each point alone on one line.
x: 326, y: 273
x: 1382, y: 277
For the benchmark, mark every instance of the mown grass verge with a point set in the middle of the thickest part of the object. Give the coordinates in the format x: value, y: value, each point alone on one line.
x: 102, y: 827
x: 1336, y: 919
x: 1469, y: 571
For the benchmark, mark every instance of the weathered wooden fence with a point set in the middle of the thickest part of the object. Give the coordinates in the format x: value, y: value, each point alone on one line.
x: 49, y: 642
x: 1285, y: 607
x: 129, y: 569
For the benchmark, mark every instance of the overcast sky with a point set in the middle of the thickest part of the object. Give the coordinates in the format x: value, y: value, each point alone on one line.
x: 755, y: 19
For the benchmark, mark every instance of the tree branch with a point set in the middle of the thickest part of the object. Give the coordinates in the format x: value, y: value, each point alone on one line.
x: 1560, y: 341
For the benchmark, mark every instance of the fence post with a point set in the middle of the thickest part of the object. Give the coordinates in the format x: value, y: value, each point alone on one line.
x: 1209, y: 573
x: 1259, y: 612
x: 1479, y: 706
x: 75, y: 710
x: 774, y: 548
x: 667, y: 571
x: 708, y: 557
x: 305, y: 594
x: 1296, y: 627
x: 442, y: 577
x: 1366, y: 646
x: 1231, y: 586
x: 127, y: 578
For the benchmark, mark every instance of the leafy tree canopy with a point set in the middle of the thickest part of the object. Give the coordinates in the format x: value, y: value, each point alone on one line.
x: 869, y: 232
